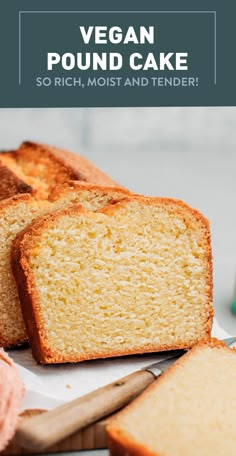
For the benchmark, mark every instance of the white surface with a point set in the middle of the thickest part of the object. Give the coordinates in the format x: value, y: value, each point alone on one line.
x: 50, y: 386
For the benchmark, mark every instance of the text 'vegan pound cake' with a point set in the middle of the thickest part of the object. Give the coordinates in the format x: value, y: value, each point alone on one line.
x: 37, y: 168
x: 189, y: 410
x: 15, y: 214
x: 134, y: 277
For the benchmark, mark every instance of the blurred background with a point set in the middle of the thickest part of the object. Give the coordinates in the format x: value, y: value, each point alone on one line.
x: 186, y: 153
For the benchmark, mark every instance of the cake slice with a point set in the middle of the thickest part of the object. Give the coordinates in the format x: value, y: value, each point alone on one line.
x: 37, y: 168
x: 189, y: 410
x: 11, y: 393
x: 15, y: 214
x: 134, y: 277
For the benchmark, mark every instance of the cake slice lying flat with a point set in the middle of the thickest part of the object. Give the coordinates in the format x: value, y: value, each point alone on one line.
x: 37, y: 168
x: 135, y: 277
x: 15, y: 214
x: 189, y: 411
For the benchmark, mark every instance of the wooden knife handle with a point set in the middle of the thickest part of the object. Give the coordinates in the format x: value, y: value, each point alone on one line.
x: 42, y: 431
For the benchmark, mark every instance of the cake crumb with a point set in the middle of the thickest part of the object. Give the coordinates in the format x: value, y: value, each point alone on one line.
x: 68, y: 386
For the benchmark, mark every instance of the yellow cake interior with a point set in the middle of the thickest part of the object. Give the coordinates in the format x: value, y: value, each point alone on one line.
x: 15, y: 215
x: 190, y: 411
x: 135, y: 280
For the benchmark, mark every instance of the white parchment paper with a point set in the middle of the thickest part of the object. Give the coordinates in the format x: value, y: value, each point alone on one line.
x: 50, y: 386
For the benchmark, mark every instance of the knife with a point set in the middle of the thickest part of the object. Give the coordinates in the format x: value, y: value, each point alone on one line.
x: 43, y: 431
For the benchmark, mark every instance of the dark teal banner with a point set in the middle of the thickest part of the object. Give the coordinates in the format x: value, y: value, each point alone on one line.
x: 88, y: 54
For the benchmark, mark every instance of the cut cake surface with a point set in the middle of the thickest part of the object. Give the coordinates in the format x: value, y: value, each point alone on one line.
x: 15, y: 214
x: 134, y: 277
x: 189, y: 410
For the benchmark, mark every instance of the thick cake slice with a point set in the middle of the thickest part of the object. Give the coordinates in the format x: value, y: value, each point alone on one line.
x: 135, y: 277
x: 38, y: 168
x: 189, y: 410
x: 15, y: 214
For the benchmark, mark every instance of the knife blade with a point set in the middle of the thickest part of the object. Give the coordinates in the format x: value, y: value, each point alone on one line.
x: 42, y: 431
x: 161, y: 366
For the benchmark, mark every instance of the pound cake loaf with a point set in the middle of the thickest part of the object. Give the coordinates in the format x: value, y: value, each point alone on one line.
x: 134, y: 277
x: 189, y: 410
x: 15, y: 214
x: 11, y: 394
x: 37, y: 168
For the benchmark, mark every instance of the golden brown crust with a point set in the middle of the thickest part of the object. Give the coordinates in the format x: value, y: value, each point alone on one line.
x: 17, y: 343
x: 37, y: 168
x: 74, y: 166
x: 14, y: 200
x: 27, y: 289
x: 10, y: 184
x: 79, y: 186
x: 86, y: 170
x: 120, y: 442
